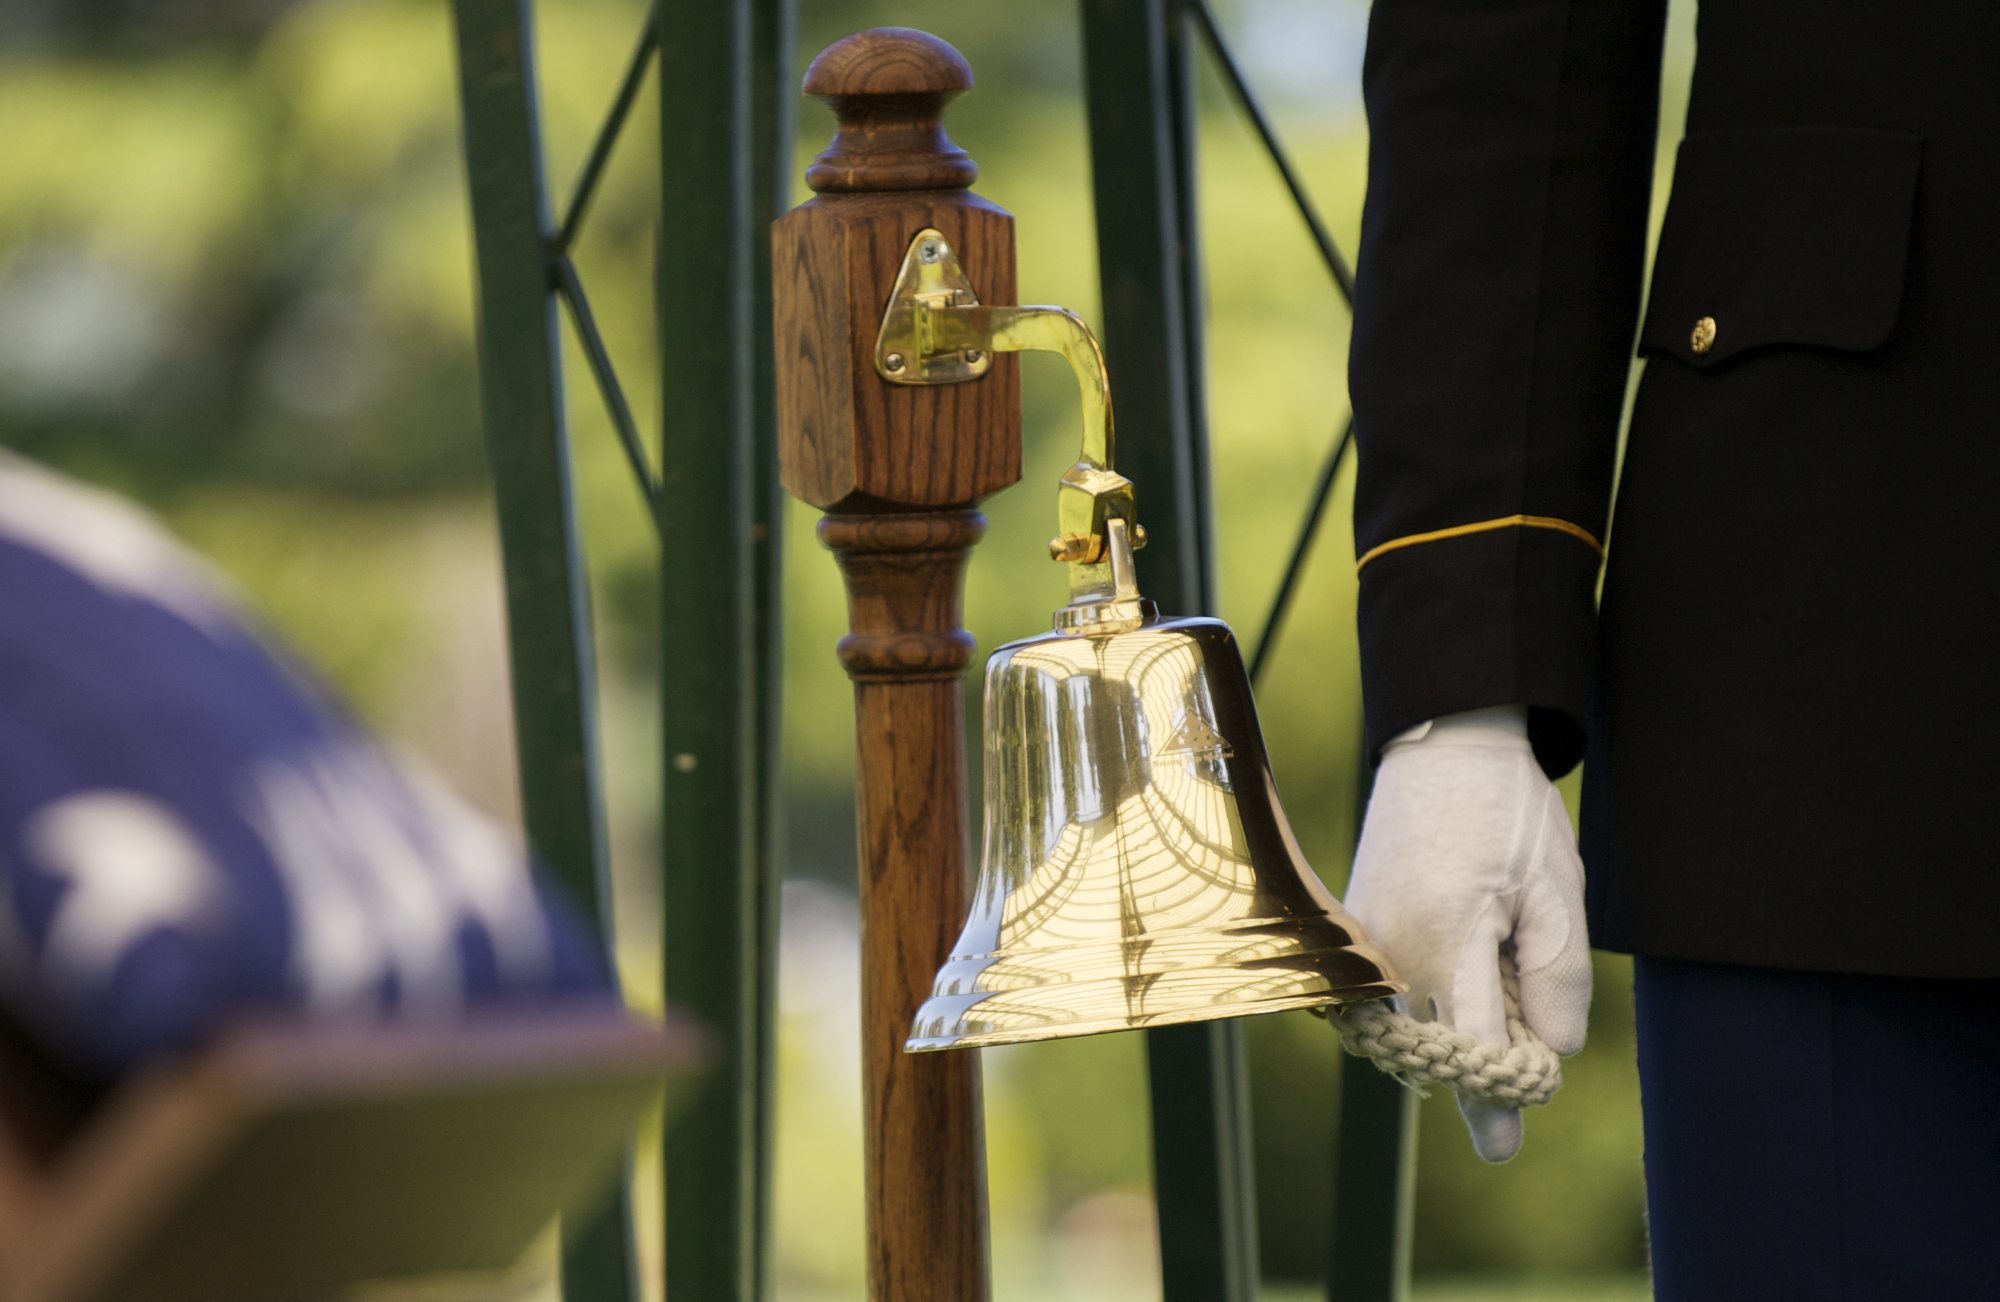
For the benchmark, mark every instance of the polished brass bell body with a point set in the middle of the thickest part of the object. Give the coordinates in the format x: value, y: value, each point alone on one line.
x: 1137, y: 867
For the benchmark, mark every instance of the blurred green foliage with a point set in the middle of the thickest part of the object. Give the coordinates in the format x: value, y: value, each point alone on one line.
x: 235, y: 281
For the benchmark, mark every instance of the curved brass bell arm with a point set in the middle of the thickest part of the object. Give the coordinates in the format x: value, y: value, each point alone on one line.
x: 1091, y: 494
x: 999, y: 329
x: 935, y: 331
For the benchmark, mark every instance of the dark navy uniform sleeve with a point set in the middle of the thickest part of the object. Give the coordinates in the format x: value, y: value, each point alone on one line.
x: 1502, y: 245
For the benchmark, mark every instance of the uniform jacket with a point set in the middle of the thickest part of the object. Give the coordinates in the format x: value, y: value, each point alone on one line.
x: 1790, y: 699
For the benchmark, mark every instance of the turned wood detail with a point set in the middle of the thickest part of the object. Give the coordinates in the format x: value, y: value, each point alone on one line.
x: 904, y: 576
x: 887, y: 89
x: 900, y: 468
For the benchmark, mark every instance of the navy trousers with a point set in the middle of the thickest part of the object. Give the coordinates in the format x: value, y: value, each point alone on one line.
x: 1819, y: 1138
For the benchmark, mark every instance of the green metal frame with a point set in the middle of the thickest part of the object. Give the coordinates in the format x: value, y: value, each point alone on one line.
x: 1141, y: 136
x: 718, y: 621
x: 548, y: 616
x: 725, y: 122
x: 1139, y: 67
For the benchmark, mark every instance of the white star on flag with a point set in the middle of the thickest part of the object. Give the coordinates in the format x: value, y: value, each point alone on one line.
x: 133, y: 868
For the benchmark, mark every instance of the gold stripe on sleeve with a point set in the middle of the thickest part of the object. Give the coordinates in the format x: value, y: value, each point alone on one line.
x: 1578, y: 532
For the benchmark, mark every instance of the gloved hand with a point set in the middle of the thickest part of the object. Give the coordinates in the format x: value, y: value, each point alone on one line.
x: 1467, y: 852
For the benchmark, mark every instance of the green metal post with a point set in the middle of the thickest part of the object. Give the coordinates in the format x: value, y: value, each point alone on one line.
x: 1142, y: 169
x: 717, y: 625
x: 1374, y: 1164
x: 1374, y: 1170
x: 548, y: 615
x: 773, y: 95
x: 1141, y: 136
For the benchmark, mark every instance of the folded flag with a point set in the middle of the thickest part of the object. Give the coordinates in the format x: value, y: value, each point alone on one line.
x: 191, y: 830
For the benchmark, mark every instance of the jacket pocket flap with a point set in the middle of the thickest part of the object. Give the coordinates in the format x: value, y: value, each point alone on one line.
x: 1782, y: 236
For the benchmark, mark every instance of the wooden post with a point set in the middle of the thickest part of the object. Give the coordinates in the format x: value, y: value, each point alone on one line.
x: 899, y: 470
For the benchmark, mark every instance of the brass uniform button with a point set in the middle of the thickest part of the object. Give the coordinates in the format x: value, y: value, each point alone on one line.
x: 1703, y: 338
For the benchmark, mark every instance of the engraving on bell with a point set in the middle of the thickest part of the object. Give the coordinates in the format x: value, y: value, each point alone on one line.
x: 1137, y: 868
x: 1194, y: 736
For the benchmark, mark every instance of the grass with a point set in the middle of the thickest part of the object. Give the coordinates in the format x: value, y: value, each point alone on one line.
x: 1616, y: 1288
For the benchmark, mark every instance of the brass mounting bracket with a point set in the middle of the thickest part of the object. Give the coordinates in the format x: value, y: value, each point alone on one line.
x: 936, y: 331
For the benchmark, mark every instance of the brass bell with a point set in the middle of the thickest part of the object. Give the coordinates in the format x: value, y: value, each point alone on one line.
x: 1137, y: 868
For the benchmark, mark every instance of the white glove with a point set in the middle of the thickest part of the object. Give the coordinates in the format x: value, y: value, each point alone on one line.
x: 1467, y: 851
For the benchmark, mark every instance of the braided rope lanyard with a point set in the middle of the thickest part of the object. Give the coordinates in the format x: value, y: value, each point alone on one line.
x: 1525, y: 1073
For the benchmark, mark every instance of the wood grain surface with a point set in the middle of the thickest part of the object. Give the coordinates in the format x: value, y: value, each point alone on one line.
x: 926, y: 1171
x: 849, y: 436
x: 901, y: 468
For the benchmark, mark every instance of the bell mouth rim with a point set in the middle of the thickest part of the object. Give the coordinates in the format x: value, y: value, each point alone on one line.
x: 1354, y: 994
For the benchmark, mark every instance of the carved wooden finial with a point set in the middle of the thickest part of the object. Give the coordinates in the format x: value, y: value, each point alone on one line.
x: 888, y: 87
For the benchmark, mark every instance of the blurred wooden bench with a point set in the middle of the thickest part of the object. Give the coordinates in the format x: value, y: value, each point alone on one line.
x: 291, y: 1163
